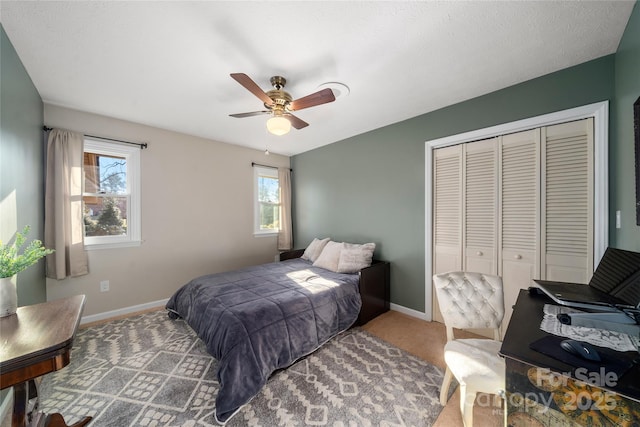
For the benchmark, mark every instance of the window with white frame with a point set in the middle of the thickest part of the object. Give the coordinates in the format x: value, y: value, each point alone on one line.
x: 266, y: 200
x: 111, y: 194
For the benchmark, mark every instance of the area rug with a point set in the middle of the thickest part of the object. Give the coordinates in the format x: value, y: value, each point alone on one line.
x: 152, y: 371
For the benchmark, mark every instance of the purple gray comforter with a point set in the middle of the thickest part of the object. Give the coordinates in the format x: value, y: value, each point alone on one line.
x: 259, y: 319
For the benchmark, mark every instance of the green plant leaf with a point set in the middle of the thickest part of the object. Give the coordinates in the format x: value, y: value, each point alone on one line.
x: 12, y: 261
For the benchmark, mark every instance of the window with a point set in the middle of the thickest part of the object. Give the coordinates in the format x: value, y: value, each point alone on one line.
x: 266, y: 200
x: 111, y: 195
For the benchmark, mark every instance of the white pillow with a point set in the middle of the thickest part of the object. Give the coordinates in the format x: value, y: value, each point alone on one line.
x: 313, y: 250
x: 354, y: 258
x: 329, y: 257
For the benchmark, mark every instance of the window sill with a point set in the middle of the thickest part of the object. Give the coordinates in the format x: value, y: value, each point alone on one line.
x: 265, y: 234
x: 99, y: 246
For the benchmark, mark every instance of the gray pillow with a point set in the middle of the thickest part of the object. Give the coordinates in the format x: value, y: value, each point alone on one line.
x: 354, y: 258
x: 314, y: 249
x: 328, y: 259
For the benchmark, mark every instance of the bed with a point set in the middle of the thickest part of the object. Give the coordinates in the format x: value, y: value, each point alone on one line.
x: 263, y: 318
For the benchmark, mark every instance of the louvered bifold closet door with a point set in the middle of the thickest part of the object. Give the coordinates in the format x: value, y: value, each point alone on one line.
x: 480, y: 206
x: 567, y: 241
x: 447, y: 213
x: 519, y: 214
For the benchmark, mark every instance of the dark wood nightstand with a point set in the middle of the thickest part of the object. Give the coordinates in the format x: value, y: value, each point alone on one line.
x: 374, y: 290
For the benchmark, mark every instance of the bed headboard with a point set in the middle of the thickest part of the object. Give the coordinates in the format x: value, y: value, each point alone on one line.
x: 294, y: 253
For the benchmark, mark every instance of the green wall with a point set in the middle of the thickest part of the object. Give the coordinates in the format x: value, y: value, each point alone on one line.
x: 21, y: 164
x: 621, y: 151
x: 371, y: 187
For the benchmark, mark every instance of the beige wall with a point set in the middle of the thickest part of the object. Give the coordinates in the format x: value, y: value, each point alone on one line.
x: 197, y: 215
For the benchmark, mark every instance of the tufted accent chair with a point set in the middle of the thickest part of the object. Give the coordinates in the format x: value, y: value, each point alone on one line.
x: 471, y: 301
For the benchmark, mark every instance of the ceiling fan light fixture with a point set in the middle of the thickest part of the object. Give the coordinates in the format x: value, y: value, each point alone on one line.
x: 279, y: 103
x: 278, y: 125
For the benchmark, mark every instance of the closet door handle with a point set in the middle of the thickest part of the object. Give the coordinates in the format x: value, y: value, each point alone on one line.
x: 479, y: 253
x: 518, y: 256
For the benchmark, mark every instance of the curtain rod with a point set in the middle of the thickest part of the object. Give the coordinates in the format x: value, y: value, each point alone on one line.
x: 266, y: 166
x: 142, y: 145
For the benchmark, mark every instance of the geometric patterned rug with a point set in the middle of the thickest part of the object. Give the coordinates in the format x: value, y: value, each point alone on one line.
x: 152, y: 371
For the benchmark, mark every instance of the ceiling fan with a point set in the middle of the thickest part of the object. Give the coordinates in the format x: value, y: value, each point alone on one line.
x: 279, y: 104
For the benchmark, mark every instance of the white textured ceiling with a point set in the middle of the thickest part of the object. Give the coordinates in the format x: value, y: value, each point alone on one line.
x: 167, y: 64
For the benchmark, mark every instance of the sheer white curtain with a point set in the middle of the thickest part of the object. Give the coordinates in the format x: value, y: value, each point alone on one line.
x: 285, y: 239
x: 63, y: 222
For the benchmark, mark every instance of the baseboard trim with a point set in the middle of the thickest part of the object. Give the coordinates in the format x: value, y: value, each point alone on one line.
x: 123, y: 311
x: 408, y: 311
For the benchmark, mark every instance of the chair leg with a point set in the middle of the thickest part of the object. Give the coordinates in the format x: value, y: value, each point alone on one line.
x: 503, y: 395
x: 467, y: 399
x: 444, y: 389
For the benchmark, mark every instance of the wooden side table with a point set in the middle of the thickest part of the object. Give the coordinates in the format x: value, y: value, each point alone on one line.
x: 35, y: 341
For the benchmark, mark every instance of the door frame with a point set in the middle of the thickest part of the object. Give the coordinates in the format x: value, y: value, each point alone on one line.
x: 600, y: 113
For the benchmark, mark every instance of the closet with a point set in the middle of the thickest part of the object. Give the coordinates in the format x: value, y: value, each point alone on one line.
x: 518, y: 205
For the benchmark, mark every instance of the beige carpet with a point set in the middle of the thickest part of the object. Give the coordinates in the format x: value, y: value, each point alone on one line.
x: 426, y: 340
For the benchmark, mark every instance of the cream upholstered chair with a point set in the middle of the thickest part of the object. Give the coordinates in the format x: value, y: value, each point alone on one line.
x: 471, y: 301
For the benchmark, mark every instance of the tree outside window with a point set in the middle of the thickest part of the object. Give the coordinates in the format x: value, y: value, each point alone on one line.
x: 105, y: 197
x: 267, y: 200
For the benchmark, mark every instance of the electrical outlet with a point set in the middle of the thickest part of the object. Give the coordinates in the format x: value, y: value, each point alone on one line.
x: 618, y: 220
x: 104, y: 286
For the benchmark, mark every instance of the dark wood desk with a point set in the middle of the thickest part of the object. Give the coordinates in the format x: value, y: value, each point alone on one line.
x: 35, y: 341
x: 544, y: 391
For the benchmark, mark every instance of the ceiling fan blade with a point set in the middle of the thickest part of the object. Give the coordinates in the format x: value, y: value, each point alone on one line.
x: 253, y: 113
x: 296, y: 122
x: 318, y: 98
x: 252, y: 87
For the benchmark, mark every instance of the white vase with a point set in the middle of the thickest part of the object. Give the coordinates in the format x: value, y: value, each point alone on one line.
x: 8, y: 296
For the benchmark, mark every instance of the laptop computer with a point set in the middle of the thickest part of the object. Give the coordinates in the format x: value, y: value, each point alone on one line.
x: 614, y: 285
